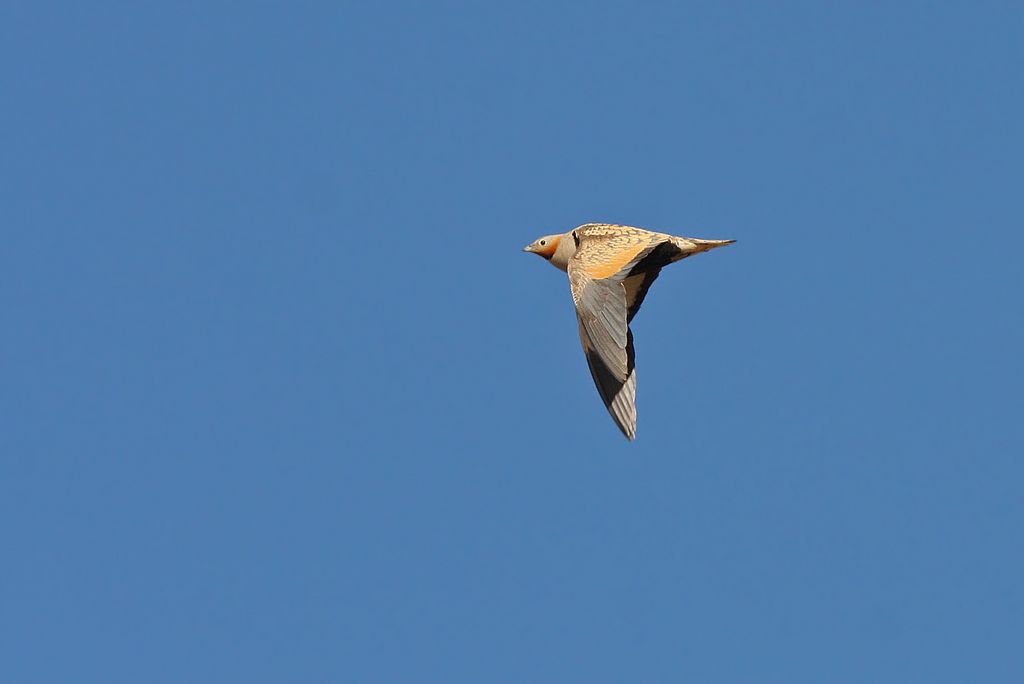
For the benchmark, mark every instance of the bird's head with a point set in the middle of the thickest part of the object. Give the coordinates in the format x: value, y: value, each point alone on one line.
x: 554, y: 248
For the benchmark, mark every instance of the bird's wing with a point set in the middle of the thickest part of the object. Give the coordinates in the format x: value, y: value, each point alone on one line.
x: 643, y: 274
x: 636, y: 287
x: 597, y: 275
x: 608, y: 345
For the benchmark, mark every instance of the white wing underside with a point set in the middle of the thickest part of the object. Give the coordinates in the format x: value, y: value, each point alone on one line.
x: 602, y: 310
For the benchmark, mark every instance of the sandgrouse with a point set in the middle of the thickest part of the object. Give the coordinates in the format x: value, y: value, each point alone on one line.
x: 610, y: 270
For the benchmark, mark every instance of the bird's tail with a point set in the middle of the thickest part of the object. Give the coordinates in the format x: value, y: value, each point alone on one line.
x: 690, y: 246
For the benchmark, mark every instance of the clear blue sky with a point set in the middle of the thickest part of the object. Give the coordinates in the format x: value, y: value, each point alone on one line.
x: 282, y: 401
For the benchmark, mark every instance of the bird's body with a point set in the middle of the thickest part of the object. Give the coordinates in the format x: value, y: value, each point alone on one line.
x: 610, y: 270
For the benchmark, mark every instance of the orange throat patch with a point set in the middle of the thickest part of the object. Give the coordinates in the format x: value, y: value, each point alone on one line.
x: 548, y: 250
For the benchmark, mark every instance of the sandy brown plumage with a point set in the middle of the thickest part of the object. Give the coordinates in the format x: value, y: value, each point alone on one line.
x: 611, y: 268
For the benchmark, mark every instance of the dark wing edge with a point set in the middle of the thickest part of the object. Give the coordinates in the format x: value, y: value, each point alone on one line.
x: 617, y: 393
x: 636, y: 289
x: 644, y: 273
x: 608, y: 346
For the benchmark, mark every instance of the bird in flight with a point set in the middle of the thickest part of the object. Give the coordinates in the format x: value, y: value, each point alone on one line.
x: 610, y: 269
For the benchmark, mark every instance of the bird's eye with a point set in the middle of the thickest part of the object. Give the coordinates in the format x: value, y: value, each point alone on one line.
x: 543, y: 242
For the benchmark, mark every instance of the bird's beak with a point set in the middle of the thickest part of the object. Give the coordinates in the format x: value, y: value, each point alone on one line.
x: 528, y: 248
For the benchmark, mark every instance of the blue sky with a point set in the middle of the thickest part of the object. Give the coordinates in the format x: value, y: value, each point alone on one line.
x: 283, y: 401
